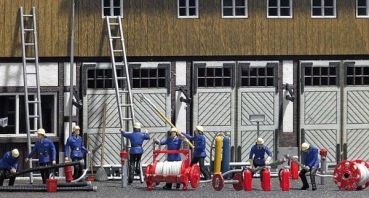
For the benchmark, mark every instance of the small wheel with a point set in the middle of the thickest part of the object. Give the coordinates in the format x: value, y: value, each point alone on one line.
x: 195, y: 176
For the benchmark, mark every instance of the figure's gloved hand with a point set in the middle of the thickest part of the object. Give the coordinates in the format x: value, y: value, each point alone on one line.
x: 146, y: 131
x: 268, y: 160
x: 13, y: 170
x: 53, y: 162
x: 307, y: 168
x: 251, y: 163
x: 66, y: 159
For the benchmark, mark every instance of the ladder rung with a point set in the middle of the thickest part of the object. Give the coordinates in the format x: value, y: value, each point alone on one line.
x: 33, y: 116
x: 117, y: 50
x: 31, y: 73
x: 123, y: 91
x: 114, y: 23
x: 28, y: 30
x: 115, y: 37
x: 33, y: 101
x: 121, y: 78
x: 28, y: 44
x: 126, y: 118
x: 28, y: 15
x: 119, y: 63
x: 32, y: 131
x: 30, y: 58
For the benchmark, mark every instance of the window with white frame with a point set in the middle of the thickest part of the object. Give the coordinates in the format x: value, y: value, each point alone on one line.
x: 362, y: 8
x: 14, y: 112
x: 112, y: 8
x: 279, y: 8
x: 188, y: 8
x: 234, y: 9
x: 323, y: 8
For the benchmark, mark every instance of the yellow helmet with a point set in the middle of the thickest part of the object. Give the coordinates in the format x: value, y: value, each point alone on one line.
x: 260, y: 141
x: 15, y: 153
x: 137, y: 125
x: 41, y: 131
x: 305, y: 146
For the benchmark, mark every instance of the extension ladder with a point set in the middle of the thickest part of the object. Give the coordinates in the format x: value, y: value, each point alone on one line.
x: 31, y: 76
x: 117, y: 48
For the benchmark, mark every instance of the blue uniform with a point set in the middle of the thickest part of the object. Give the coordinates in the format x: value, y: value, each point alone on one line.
x: 311, y: 157
x: 259, y: 152
x: 200, y: 144
x: 173, y: 144
x: 137, y: 138
x: 45, y: 147
x: 8, y: 161
x: 76, y: 145
x: 312, y: 161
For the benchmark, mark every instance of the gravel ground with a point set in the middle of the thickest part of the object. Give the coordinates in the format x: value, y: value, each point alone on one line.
x: 111, y: 189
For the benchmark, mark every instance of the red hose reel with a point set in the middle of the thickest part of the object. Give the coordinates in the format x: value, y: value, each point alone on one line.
x: 352, y: 175
x: 187, y: 173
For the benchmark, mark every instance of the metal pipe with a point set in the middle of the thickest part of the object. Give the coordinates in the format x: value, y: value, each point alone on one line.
x: 80, y: 162
x: 43, y: 189
x: 77, y: 184
x: 71, y: 67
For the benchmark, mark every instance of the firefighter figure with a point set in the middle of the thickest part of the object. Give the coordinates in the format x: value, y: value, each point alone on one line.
x: 8, y: 166
x: 199, y: 150
x: 75, y: 143
x: 136, y: 138
x: 46, y: 153
x: 311, y: 162
x: 173, y: 143
x: 259, y: 150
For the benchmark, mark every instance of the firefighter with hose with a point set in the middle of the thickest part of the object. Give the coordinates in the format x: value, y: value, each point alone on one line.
x: 311, y: 162
x: 9, y: 165
x: 257, y: 154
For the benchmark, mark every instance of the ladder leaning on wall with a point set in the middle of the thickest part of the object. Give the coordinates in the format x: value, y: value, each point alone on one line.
x: 117, y: 48
x: 31, y: 78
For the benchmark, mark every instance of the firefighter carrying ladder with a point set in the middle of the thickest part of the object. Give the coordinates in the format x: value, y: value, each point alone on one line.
x: 31, y: 76
x: 117, y: 48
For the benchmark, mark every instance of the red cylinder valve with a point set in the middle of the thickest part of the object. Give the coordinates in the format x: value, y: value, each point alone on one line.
x: 323, y: 152
x: 123, y: 155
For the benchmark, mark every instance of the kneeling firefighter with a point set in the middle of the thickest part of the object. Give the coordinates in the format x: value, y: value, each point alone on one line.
x: 259, y: 150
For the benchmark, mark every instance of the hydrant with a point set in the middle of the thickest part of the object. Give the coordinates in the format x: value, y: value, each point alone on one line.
x: 123, y: 156
x: 323, y: 158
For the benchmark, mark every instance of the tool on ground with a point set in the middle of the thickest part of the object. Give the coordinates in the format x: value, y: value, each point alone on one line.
x: 100, y: 173
x: 91, y: 177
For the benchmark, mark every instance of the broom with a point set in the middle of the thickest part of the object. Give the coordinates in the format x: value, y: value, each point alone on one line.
x: 91, y: 177
x: 100, y: 173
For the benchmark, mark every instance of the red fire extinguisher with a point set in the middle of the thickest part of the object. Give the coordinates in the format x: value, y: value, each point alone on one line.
x: 247, y: 180
x: 284, y: 178
x: 265, y: 179
x: 68, y: 174
x: 294, y: 170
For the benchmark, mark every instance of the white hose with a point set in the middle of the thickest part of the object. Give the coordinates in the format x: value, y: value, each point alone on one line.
x: 168, y: 168
x: 364, y: 174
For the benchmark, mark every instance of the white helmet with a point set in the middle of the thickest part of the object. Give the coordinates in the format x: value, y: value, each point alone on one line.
x: 200, y: 128
x: 260, y: 141
x: 173, y: 129
x: 137, y: 125
x: 41, y: 131
x: 15, y: 153
x: 305, y: 146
